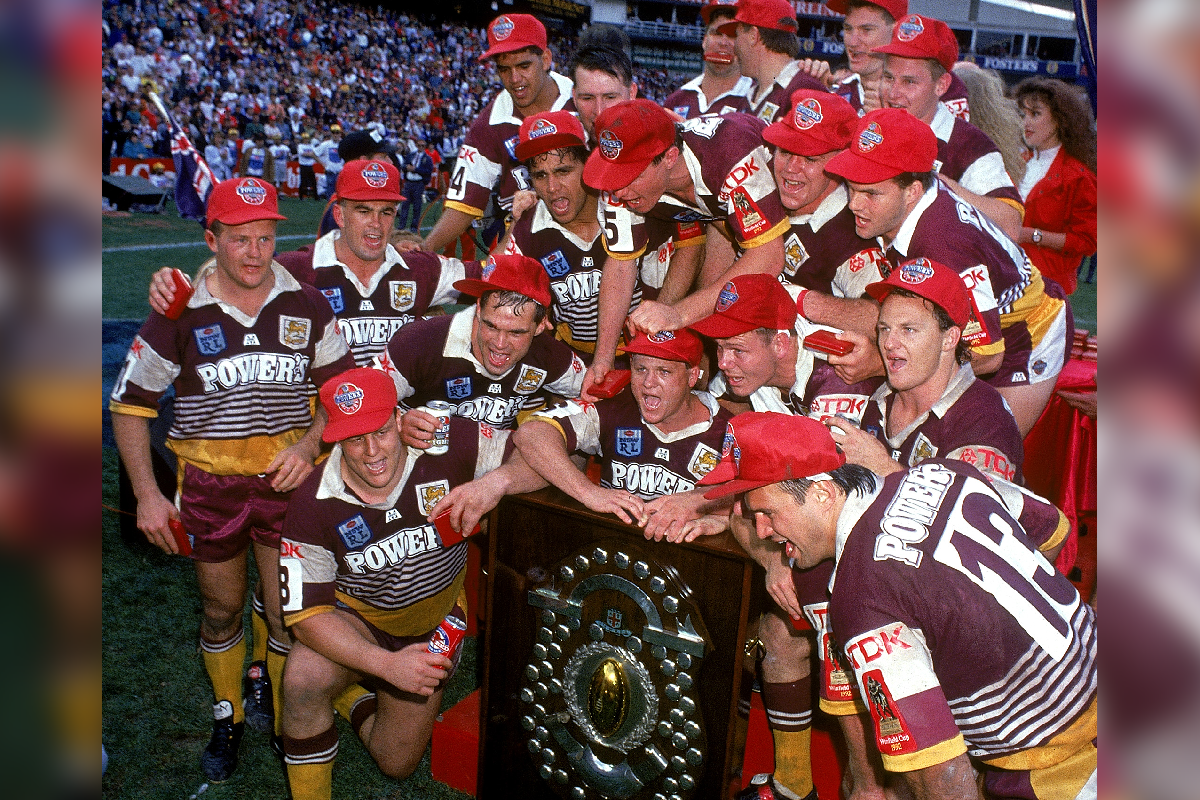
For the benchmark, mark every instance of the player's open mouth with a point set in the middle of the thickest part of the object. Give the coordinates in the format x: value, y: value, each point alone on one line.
x: 376, y: 467
x: 896, y: 363
x: 651, y: 403
x: 561, y: 206
x: 497, y: 360
x: 789, y: 549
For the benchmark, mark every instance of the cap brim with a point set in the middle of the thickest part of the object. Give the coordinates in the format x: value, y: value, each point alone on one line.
x: 476, y: 288
x: 394, y: 197
x: 734, y: 487
x: 902, y: 50
x: 243, y: 219
x: 535, y: 147
x: 720, y: 326
x: 358, y: 425
x: 728, y: 28
x: 879, y: 290
x: 609, y: 176
x: 653, y: 352
x: 856, y: 169
x: 794, y: 141
x: 511, y: 46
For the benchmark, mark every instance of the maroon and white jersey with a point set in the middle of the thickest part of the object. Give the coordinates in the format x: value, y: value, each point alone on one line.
x: 969, y: 156
x: 383, y: 560
x: 1008, y: 294
x: 574, y: 267
x: 431, y: 359
x: 403, y: 289
x: 663, y: 239
x: 827, y: 396
x: 955, y: 99
x: 487, y: 160
x: 835, y: 687
x: 636, y: 456
x: 730, y: 168
x: 970, y: 422
x: 962, y: 636
x: 243, y: 384
x: 821, y: 250
x: 689, y: 100
x: 775, y: 101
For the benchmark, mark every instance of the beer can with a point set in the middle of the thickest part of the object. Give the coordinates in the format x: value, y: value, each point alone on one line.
x: 442, y: 411
x: 183, y: 293
x: 181, y: 538
x: 447, y: 637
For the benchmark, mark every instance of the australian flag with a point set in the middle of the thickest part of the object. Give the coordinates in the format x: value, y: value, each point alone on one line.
x: 194, y: 181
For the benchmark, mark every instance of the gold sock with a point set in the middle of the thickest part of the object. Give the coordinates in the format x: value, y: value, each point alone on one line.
x: 223, y: 661
x: 258, y: 630
x: 345, y: 701
x: 276, y: 657
x: 793, y: 761
x: 310, y: 765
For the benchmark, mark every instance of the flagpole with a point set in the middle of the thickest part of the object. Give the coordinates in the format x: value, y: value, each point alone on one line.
x: 194, y: 179
x: 162, y: 109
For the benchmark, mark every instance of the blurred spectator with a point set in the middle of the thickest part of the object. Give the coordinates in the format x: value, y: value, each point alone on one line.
x: 1059, y: 187
x: 994, y: 113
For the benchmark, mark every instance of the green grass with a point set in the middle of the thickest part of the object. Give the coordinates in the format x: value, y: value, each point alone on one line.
x: 1083, y: 304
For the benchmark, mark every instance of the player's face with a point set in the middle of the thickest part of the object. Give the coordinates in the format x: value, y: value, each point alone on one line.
x: 743, y: 43
x: 720, y: 57
x: 908, y: 83
x: 661, y: 388
x: 372, y: 463
x: 1039, y: 129
x: 865, y: 28
x: 557, y: 177
x: 596, y: 90
x: 643, y: 193
x: 244, y: 252
x: 523, y: 74
x: 799, y: 527
x: 802, y: 181
x: 909, y: 340
x: 500, y: 337
x: 748, y: 361
x: 880, y: 209
x: 366, y: 226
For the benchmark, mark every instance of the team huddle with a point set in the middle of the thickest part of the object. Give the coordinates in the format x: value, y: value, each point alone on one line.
x: 833, y: 349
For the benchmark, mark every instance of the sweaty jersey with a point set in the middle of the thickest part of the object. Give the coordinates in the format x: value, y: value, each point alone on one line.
x: 822, y: 251
x: 967, y: 155
x: 431, y: 359
x: 574, y: 267
x: 487, y: 160
x: 1011, y: 310
x: 689, y: 100
x: 385, y: 561
x: 962, y: 636
x: 243, y: 385
x: 773, y: 102
x: 635, y: 456
x: 730, y: 169
x: 970, y: 422
x: 403, y: 289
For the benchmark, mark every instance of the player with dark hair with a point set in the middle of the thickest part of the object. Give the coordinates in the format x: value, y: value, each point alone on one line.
x: 721, y: 88
x: 602, y: 73
x: 244, y: 358
x: 983, y: 655
x: 487, y: 162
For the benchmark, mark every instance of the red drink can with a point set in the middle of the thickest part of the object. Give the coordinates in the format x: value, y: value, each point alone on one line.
x: 448, y: 637
x: 181, y: 537
x: 450, y: 537
x: 183, y: 293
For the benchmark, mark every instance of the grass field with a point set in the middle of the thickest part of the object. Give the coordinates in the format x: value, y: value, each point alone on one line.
x: 156, y: 695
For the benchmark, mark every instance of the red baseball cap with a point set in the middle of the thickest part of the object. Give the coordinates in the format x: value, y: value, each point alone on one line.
x: 765, y: 447
x: 935, y: 282
x: 818, y: 123
x: 358, y: 402
x: 548, y: 131
x: 748, y: 302
x: 510, y: 273
x: 509, y: 33
x: 629, y: 136
x: 681, y: 345
x: 369, y: 180
x: 710, y: 8
x: 886, y: 142
x: 242, y: 200
x: 915, y: 36
x: 895, y: 8
x: 778, y: 15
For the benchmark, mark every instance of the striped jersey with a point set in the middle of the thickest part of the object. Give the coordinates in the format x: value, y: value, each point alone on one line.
x: 384, y: 560
x: 690, y: 101
x: 822, y: 251
x: 243, y: 385
x: 962, y: 636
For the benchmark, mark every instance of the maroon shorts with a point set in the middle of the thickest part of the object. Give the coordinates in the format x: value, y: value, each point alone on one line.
x: 393, y: 643
x: 224, y: 513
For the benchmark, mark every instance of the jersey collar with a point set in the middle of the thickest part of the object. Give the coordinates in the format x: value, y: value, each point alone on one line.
x: 829, y: 208
x: 325, y: 255
x: 503, y: 110
x: 903, y: 238
x: 284, y: 282
x: 943, y: 122
x: 333, y: 485
x: 959, y: 383
x: 692, y: 430
x: 856, y: 505
x: 544, y: 220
